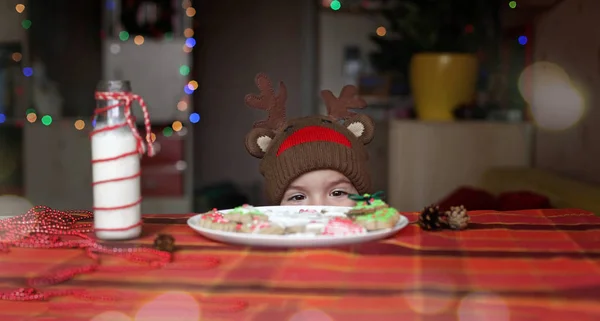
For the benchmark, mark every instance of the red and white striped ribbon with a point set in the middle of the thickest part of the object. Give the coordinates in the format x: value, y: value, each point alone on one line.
x: 127, y: 99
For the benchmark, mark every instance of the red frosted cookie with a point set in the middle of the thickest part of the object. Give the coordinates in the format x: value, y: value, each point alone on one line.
x: 262, y: 227
x: 216, y: 221
x: 342, y: 226
x: 245, y: 214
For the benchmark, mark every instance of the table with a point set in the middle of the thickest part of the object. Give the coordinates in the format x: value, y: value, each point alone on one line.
x: 527, y: 265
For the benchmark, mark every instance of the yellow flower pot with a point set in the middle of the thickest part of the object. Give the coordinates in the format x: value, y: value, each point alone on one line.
x: 441, y: 82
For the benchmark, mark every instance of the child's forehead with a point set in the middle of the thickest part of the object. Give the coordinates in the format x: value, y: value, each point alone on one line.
x: 320, y: 177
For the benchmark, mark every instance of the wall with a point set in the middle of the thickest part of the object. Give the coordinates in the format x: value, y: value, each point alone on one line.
x: 10, y: 21
x: 12, y: 32
x: 337, y: 30
x: 569, y: 37
x: 65, y: 35
x: 238, y: 39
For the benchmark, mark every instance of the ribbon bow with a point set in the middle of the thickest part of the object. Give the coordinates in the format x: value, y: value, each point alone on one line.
x: 368, y: 198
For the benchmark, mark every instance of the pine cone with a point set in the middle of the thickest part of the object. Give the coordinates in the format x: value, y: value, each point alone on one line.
x: 164, y: 242
x: 431, y: 219
x: 457, y: 217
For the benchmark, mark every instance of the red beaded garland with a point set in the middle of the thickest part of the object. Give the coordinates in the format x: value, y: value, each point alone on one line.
x: 43, y: 227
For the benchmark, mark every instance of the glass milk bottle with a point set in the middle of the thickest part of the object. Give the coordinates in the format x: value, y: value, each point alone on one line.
x: 115, y: 165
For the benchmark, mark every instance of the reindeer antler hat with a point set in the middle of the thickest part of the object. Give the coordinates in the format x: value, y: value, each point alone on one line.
x: 291, y: 148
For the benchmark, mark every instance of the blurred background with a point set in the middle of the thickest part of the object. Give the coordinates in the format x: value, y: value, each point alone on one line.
x: 491, y: 104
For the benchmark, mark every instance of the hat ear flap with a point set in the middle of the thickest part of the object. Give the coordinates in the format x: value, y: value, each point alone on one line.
x: 362, y: 127
x: 258, y: 141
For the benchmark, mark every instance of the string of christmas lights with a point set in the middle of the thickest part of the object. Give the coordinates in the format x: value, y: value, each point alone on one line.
x: 381, y: 31
x: 31, y: 115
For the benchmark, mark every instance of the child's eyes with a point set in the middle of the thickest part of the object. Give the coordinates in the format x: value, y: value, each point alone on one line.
x: 297, y: 198
x: 338, y: 193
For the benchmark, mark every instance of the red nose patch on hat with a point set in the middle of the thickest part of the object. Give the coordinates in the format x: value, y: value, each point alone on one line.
x: 313, y: 134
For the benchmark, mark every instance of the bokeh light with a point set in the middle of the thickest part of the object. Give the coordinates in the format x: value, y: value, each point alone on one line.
x: 522, y: 40
x: 421, y: 301
x: 381, y: 31
x: 188, y: 90
x: 190, y: 12
x: 17, y: 56
x: 115, y: 48
x: 26, y: 24
x: 2, y: 118
x: 555, y: 102
x: 27, y: 71
x: 31, y: 117
x: 111, y: 5
x: 79, y: 124
x: 193, y: 84
x: 184, y: 70
x: 138, y: 40
x: 177, y: 125
x: 194, y: 118
x: 182, y: 132
x: 178, y: 306
x: 167, y: 131
x: 512, y: 4
x: 188, y: 33
x: 20, y: 8
x: 182, y: 105
x: 483, y: 307
x: 190, y: 42
x: 311, y: 315
x: 335, y: 5
x: 124, y: 35
x: 47, y: 120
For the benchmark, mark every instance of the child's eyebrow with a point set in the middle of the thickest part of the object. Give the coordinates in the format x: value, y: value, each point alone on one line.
x: 341, y: 181
x: 296, y: 188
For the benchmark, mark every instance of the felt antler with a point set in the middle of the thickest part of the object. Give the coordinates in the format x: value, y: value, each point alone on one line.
x: 338, y: 107
x: 267, y: 100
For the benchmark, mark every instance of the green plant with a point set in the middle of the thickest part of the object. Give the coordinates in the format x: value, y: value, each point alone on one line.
x: 453, y: 26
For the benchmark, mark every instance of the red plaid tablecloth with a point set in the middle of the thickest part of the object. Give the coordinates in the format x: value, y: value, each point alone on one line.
x: 529, y: 265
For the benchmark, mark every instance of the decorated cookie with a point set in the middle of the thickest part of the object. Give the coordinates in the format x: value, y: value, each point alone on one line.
x: 366, y: 204
x: 263, y: 227
x: 310, y: 228
x: 342, y: 226
x: 381, y: 219
x: 315, y: 227
x: 216, y: 221
x: 295, y: 229
x: 246, y: 214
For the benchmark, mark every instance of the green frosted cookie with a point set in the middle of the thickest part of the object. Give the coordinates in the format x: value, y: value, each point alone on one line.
x: 380, y: 219
x: 367, y: 204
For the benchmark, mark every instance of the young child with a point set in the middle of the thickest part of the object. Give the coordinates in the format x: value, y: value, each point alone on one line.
x: 315, y: 160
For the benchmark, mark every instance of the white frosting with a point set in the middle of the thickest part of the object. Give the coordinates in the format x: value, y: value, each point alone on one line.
x: 315, y: 227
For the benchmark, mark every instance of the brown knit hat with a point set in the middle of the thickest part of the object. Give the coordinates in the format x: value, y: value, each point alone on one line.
x: 291, y: 148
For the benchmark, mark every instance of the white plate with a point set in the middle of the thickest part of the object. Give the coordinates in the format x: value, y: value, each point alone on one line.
x: 293, y: 240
